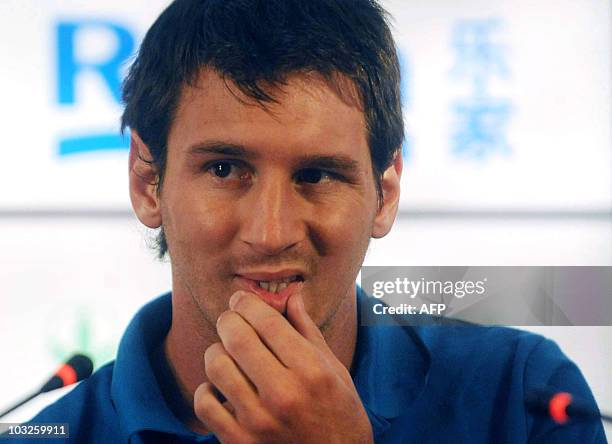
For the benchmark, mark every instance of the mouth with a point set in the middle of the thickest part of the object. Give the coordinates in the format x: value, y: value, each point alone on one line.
x: 278, y: 285
x: 273, y: 289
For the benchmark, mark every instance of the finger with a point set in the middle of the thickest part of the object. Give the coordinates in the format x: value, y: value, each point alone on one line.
x: 242, y: 401
x: 288, y: 345
x: 247, y: 350
x: 303, y: 323
x: 214, y: 416
x: 226, y: 376
x: 223, y: 400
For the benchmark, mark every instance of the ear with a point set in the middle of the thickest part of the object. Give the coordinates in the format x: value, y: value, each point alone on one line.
x: 143, y: 183
x: 391, y: 193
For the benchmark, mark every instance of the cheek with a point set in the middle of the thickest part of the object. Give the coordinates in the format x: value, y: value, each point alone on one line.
x: 352, y: 217
x: 344, y: 234
x: 349, y: 229
x: 195, y: 224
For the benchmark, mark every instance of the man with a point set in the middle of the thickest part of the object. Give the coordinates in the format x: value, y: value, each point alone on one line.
x: 265, y: 145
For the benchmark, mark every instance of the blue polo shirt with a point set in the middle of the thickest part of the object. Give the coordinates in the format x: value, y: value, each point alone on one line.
x: 418, y: 384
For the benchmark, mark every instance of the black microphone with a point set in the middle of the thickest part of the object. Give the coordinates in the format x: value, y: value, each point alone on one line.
x: 72, y: 371
x: 562, y: 407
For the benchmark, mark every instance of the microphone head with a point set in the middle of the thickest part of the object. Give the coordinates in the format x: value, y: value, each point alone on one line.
x: 560, y: 406
x: 82, y: 365
x: 537, y: 399
x: 77, y: 368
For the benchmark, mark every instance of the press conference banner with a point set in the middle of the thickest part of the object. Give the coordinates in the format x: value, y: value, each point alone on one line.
x: 506, y: 103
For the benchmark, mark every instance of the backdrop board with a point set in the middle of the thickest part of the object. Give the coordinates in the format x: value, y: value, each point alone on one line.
x: 507, y: 103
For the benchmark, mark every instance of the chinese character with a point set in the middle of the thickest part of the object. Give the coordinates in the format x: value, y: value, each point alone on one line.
x: 480, y: 127
x: 481, y: 118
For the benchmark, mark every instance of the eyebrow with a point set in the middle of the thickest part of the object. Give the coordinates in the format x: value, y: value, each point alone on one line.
x: 338, y: 162
x: 228, y: 149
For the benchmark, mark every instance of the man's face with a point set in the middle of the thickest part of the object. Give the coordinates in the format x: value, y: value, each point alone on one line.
x: 253, y: 195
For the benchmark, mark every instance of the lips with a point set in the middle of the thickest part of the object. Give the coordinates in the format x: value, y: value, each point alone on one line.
x: 261, y: 284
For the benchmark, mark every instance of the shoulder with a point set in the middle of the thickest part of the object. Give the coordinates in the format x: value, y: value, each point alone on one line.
x: 88, y: 409
x: 500, y: 354
x: 502, y: 345
x: 498, y: 367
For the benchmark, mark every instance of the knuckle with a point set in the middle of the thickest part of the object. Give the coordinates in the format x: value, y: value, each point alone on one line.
x: 284, y: 403
x: 214, y: 349
x: 225, y: 318
x: 345, y: 376
x: 319, y: 375
x: 234, y: 338
x: 236, y: 342
x: 260, y: 425
x: 200, y: 408
x: 203, y: 401
x: 287, y: 403
x: 314, y: 376
x: 268, y: 326
x: 217, y: 366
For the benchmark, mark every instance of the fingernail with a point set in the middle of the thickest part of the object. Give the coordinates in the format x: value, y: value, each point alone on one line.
x: 234, y: 299
x: 217, y: 323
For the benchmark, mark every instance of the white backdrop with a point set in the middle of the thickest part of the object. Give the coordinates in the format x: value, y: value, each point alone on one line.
x: 507, y: 102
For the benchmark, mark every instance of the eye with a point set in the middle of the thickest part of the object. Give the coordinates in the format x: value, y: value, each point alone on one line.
x: 221, y: 169
x: 314, y: 176
x: 226, y: 169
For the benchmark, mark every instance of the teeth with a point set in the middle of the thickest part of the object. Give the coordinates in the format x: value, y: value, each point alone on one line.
x: 276, y: 286
x: 265, y: 285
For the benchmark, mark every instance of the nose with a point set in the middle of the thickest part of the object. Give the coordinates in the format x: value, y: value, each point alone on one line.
x: 271, y: 216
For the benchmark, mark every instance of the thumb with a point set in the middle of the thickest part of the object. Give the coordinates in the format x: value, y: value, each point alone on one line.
x: 302, y: 322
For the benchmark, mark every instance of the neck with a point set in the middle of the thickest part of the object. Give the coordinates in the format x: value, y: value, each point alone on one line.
x: 191, y: 334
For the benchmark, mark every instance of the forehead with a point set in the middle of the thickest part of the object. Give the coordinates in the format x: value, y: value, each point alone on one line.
x: 309, y: 114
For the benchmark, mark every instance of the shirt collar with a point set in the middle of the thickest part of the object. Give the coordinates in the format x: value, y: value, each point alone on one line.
x: 135, y: 391
x: 390, y: 367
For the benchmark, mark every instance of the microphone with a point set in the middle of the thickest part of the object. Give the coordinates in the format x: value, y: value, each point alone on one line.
x: 72, y: 371
x: 562, y: 407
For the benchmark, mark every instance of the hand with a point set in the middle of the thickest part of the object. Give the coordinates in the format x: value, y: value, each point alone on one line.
x: 282, y: 382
